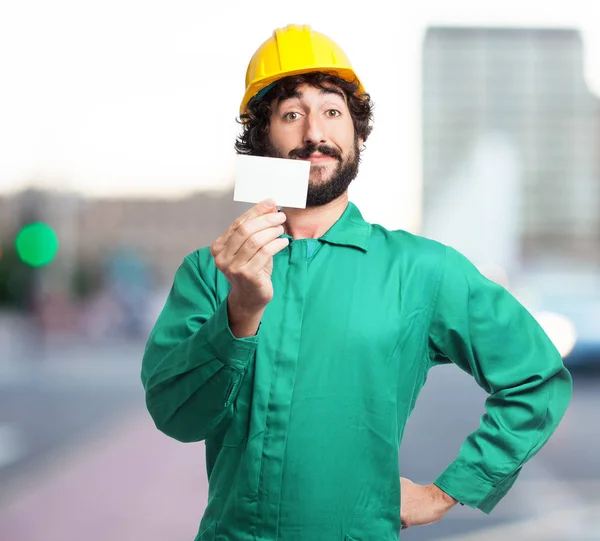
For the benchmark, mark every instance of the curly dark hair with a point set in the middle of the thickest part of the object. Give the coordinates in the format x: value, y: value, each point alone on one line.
x: 254, y: 139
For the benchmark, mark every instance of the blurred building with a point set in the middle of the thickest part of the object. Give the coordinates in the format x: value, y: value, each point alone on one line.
x: 511, y: 145
x: 7, y: 216
x: 160, y: 232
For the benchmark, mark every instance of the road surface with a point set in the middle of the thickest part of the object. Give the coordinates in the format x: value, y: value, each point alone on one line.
x: 80, y: 458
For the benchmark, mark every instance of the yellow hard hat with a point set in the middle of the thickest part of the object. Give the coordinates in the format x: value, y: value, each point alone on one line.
x: 293, y: 50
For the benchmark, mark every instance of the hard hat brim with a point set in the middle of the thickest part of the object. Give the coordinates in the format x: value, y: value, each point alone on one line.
x: 342, y: 73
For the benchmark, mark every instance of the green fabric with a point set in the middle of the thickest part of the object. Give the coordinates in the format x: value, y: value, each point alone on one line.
x: 303, y: 422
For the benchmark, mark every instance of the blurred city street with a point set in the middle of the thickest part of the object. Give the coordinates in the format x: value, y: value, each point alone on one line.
x: 118, y: 138
x: 81, y: 459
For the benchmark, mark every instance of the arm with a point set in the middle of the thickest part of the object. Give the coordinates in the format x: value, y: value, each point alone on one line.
x: 200, y: 348
x: 193, y: 365
x: 481, y: 328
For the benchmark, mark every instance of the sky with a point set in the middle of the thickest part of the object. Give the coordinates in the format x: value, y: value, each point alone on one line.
x: 132, y: 97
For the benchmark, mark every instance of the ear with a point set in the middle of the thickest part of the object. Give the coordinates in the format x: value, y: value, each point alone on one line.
x: 361, y: 143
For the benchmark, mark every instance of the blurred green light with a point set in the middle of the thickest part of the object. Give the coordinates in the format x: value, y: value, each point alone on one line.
x: 36, y: 244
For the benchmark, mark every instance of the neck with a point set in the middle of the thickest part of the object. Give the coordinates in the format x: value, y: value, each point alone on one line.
x: 313, y: 222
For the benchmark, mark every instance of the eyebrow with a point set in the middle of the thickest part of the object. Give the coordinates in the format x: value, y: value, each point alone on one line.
x: 324, y: 90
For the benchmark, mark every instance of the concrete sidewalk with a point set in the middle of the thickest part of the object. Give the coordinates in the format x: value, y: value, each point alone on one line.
x: 128, y: 483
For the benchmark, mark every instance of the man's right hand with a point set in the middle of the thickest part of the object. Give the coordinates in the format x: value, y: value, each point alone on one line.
x: 244, y: 254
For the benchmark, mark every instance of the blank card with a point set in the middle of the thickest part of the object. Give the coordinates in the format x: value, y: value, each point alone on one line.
x: 283, y: 180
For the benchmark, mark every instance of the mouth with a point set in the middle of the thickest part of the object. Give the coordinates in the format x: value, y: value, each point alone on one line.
x: 320, y: 158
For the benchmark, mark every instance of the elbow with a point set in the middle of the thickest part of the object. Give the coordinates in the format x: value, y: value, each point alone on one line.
x: 563, y: 392
x: 169, y: 420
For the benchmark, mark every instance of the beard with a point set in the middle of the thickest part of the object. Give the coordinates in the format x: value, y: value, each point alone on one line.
x: 321, y: 193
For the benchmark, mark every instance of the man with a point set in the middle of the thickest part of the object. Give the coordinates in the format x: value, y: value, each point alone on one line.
x: 296, y: 345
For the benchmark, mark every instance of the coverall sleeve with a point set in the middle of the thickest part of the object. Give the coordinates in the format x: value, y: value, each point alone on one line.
x: 479, y: 326
x: 193, y: 365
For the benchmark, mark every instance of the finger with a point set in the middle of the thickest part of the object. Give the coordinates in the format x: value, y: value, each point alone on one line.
x: 264, y: 207
x: 268, y: 205
x: 265, y: 254
x: 254, y: 244
x: 250, y: 228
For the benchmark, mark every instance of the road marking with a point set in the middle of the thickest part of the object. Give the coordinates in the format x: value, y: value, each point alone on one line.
x: 12, y: 447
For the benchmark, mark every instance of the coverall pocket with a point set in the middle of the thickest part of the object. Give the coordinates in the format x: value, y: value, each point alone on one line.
x: 348, y: 538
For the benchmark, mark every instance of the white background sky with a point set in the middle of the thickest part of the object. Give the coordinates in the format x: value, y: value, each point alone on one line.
x: 140, y: 97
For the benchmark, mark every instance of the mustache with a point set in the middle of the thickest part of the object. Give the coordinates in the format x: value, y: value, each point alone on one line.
x: 305, y: 151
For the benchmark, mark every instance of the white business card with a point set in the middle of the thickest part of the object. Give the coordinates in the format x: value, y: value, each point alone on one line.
x: 283, y: 180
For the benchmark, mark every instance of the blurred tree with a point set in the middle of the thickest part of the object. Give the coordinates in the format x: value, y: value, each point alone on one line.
x: 24, y: 278
x: 16, y: 279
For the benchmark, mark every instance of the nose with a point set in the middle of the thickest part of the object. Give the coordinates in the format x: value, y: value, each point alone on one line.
x: 314, y: 130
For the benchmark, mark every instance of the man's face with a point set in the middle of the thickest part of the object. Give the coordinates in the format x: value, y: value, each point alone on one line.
x: 315, y: 124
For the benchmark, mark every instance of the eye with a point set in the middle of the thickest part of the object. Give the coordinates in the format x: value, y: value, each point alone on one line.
x: 332, y: 113
x: 291, y: 116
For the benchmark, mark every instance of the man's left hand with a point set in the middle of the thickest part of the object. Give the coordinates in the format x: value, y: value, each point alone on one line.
x: 422, y: 504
